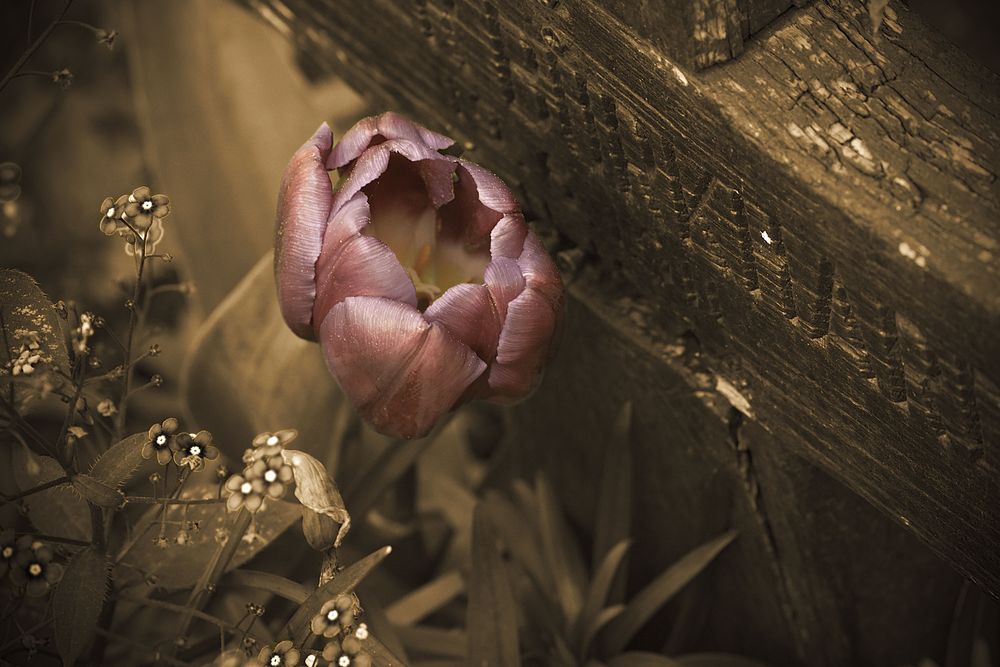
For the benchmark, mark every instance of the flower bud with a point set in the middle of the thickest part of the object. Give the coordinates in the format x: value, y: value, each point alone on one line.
x: 418, y: 275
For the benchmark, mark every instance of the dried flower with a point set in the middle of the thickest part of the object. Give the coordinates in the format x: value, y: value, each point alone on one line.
x: 418, y: 275
x: 284, y: 654
x: 334, y: 617
x: 194, y: 449
x: 62, y: 78
x: 10, y: 181
x: 143, y: 208
x: 107, y: 37
x: 33, y: 567
x: 28, y: 356
x: 161, y: 440
x: 106, y: 407
x: 243, y: 492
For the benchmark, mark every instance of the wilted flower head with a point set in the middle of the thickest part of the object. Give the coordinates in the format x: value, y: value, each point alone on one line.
x: 62, y: 78
x: 418, y: 275
x: 107, y: 37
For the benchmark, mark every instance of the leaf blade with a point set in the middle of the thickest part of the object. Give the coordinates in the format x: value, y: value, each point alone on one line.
x: 491, y: 621
x: 668, y: 583
x: 78, y: 601
x: 613, y: 516
x: 598, y: 593
x: 116, y: 465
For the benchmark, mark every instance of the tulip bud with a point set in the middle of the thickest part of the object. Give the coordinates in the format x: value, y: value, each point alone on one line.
x: 323, y: 506
x: 418, y: 275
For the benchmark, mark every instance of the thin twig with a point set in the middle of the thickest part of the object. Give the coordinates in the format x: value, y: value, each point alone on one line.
x: 149, y: 500
x: 30, y: 51
x: 41, y: 487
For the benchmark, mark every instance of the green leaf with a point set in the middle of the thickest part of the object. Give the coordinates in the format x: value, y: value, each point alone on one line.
x: 561, y: 552
x: 27, y: 315
x: 597, y: 594
x: 116, y: 465
x: 642, y: 659
x: 58, y: 511
x: 492, y: 617
x: 178, y: 566
x: 649, y: 600
x: 96, y: 491
x: 424, y: 601
x: 716, y: 660
x: 246, y: 369
x: 613, y: 517
x: 342, y: 582
x: 77, y: 602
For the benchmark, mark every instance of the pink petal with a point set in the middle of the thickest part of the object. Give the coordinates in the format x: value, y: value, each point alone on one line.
x: 466, y: 218
x: 304, y: 203
x: 493, y: 192
x: 507, y: 237
x: 468, y: 313
x: 388, y: 126
x: 400, y: 371
x: 540, y: 271
x: 345, y: 223
x: 362, y: 266
x: 373, y: 162
x: 524, y: 344
x: 505, y: 282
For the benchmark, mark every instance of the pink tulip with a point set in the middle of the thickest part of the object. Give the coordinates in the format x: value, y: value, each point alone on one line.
x: 417, y: 274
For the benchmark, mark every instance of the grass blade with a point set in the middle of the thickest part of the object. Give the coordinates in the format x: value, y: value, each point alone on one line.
x: 561, y: 552
x: 492, y: 616
x: 424, y: 601
x: 649, y: 600
x: 597, y: 594
x: 613, y: 517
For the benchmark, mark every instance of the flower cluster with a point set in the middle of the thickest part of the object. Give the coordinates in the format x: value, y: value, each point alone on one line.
x: 136, y: 217
x: 266, y: 474
x: 27, y: 358
x: 29, y: 562
x: 349, y: 651
x: 185, y: 449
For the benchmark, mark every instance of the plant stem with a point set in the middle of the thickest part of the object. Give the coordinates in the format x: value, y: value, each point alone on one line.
x: 132, y: 325
x: 156, y: 655
x: 150, y: 500
x: 41, y: 487
x: 30, y: 51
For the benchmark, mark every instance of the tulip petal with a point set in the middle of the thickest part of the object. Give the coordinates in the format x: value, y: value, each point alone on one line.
x: 540, y: 271
x: 507, y: 237
x: 387, y: 126
x: 371, y: 164
x: 468, y: 313
x: 358, y: 266
x: 466, y: 218
x: 401, y: 372
x: 345, y: 223
x: 505, y: 283
x: 523, y: 346
x: 304, y: 204
x: 493, y: 192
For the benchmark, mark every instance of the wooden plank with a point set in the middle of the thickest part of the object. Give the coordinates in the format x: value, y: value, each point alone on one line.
x: 817, y: 576
x: 821, y: 212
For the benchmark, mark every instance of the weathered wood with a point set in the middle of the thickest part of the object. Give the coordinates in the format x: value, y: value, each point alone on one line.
x: 817, y: 576
x: 822, y: 212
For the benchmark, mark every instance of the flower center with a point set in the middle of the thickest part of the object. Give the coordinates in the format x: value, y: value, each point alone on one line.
x: 246, y: 488
x: 147, y: 205
x: 270, y: 476
x: 161, y: 440
x: 275, y: 660
x: 35, y: 569
x: 8, y: 552
x: 195, y: 450
x: 361, y: 632
x: 111, y: 212
x: 344, y: 661
x: 332, y: 615
x: 273, y: 440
